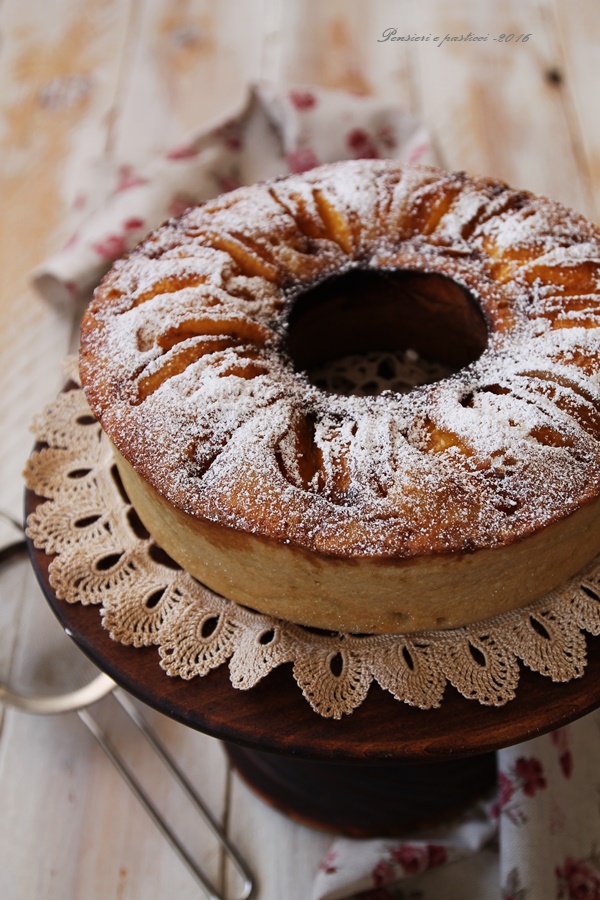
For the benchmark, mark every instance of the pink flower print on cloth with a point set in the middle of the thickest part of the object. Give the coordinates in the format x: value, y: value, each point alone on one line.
x: 383, y: 873
x: 231, y: 136
x: 523, y: 779
x: 361, y: 144
x: 111, y: 246
x: 128, y: 178
x: 394, y: 868
x: 419, y: 152
x: 579, y: 879
x: 506, y: 789
x: 301, y: 160
x: 184, y: 151
x: 530, y: 773
x: 560, y: 739
x: 303, y: 99
x: 328, y: 864
x: 416, y: 858
x: 273, y: 132
x: 114, y: 245
x: 513, y: 889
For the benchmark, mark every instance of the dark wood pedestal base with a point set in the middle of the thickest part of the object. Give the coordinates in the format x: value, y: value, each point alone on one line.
x: 365, y: 800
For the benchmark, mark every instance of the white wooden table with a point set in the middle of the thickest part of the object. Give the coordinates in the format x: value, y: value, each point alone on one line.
x: 85, y: 82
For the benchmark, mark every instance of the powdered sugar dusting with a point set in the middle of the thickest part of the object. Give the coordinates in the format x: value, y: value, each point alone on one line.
x: 184, y: 361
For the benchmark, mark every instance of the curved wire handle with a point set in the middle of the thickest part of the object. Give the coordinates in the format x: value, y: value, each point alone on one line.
x: 77, y: 701
x: 126, y: 773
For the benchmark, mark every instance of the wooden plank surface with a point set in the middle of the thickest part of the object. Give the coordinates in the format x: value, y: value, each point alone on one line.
x: 579, y: 66
x: 187, y: 63
x: 83, y: 84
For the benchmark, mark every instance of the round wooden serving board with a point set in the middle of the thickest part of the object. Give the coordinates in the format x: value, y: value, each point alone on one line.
x: 299, y: 761
x: 275, y: 716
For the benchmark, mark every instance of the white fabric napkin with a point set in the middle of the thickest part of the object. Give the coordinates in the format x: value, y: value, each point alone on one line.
x: 539, y: 839
x: 374, y: 868
x: 274, y: 133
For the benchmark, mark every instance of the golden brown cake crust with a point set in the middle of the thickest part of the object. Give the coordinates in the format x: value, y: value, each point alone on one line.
x: 185, y: 360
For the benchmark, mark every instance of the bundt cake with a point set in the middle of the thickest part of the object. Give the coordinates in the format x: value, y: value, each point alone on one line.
x: 397, y: 512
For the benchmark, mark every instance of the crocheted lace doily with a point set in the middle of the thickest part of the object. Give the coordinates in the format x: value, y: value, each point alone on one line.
x: 102, y: 555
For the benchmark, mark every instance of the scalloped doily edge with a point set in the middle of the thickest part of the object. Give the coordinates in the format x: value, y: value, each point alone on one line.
x: 102, y: 557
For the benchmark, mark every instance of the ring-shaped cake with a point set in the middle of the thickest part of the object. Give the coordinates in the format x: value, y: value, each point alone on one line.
x: 450, y: 503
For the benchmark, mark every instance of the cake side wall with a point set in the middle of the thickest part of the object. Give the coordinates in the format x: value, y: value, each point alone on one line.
x: 367, y: 594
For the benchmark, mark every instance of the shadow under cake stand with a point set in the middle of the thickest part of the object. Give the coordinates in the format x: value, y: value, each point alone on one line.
x: 386, y: 769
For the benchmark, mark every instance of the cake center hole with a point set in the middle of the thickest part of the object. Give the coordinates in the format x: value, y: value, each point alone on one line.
x: 364, y: 332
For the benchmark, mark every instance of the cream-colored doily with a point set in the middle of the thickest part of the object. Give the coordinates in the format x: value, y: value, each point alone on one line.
x: 103, y: 556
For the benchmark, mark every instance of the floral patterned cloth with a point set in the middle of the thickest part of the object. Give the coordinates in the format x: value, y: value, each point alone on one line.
x: 537, y: 839
x: 274, y: 133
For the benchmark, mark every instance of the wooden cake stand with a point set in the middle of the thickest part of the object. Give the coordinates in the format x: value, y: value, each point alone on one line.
x: 386, y: 769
